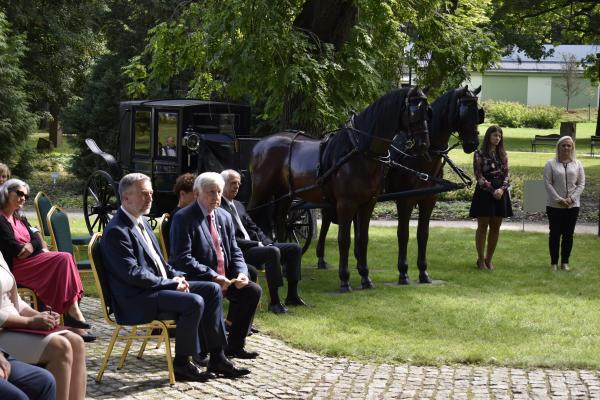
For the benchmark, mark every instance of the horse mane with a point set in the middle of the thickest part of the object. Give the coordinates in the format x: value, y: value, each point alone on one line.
x: 444, y: 109
x: 375, y: 119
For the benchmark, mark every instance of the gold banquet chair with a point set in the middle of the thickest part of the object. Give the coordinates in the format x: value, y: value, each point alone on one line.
x: 163, y: 234
x: 126, y: 333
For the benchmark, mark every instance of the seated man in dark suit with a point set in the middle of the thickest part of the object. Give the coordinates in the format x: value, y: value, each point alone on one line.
x: 259, y: 249
x: 20, y: 381
x: 203, y: 246
x: 143, y: 286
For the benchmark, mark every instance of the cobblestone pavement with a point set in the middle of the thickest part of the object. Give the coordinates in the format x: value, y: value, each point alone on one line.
x: 282, y: 372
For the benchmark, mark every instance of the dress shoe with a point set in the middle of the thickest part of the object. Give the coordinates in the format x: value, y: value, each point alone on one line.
x: 75, y: 323
x: 242, y: 354
x: 201, y: 359
x: 190, y: 372
x: 227, y: 369
x: 296, y: 301
x: 277, y: 308
x: 88, y: 337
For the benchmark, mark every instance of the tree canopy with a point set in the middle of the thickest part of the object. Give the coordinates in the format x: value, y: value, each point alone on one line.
x: 16, y: 122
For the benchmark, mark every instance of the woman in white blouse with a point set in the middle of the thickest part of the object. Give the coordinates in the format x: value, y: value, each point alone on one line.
x: 564, y: 180
x: 61, y: 352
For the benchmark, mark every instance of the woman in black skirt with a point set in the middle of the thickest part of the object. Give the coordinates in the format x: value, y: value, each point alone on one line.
x: 491, y: 202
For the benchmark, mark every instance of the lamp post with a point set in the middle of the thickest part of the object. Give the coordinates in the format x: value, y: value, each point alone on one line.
x: 597, y: 104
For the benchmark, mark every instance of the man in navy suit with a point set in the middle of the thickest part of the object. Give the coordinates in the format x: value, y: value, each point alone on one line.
x: 203, y: 245
x: 20, y: 381
x: 144, y: 287
x: 259, y: 249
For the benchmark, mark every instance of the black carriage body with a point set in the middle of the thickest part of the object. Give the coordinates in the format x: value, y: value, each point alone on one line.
x: 166, y: 138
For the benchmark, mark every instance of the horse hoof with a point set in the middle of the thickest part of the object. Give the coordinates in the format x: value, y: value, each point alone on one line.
x: 322, y: 264
x: 403, y: 281
x: 367, y: 284
x: 345, y: 288
x: 424, y: 279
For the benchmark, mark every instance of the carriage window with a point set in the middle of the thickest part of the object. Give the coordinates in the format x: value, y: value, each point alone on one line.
x: 167, y: 134
x: 215, y: 123
x: 142, y: 133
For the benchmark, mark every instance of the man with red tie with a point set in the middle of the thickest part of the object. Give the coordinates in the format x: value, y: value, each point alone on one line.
x: 203, y: 245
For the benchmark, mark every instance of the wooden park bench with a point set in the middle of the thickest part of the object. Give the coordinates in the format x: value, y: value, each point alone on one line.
x: 594, y: 142
x: 544, y: 140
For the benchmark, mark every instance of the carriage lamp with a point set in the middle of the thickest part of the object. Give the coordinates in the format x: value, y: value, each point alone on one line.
x: 191, y: 140
x: 54, y: 176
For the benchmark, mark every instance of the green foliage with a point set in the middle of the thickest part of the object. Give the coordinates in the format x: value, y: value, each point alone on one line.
x: 541, y: 117
x: 96, y: 114
x: 16, y: 122
x: 515, y: 115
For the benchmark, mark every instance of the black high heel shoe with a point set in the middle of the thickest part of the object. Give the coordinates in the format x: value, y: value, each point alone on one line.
x: 75, y: 323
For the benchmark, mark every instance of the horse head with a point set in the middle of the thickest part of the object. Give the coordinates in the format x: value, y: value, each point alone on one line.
x: 467, y: 117
x: 415, y: 117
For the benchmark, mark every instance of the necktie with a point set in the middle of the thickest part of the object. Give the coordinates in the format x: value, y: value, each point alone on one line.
x: 238, y: 221
x: 217, y: 245
x: 153, y: 253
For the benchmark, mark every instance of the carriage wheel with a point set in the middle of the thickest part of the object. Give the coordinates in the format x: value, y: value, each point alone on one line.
x: 100, y: 201
x: 300, y: 227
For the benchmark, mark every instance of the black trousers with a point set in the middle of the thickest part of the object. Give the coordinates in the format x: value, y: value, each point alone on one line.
x: 242, y: 307
x: 27, y: 382
x: 562, y: 225
x: 272, y: 257
x: 199, y: 317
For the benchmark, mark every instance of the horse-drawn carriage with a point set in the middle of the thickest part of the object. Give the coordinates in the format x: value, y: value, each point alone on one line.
x: 166, y: 138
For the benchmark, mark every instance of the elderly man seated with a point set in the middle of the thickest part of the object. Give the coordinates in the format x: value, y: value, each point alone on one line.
x: 203, y: 246
x: 143, y: 286
x: 259, y: 249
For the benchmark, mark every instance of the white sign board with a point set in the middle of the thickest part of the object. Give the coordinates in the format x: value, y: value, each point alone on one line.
x: 534, y: 196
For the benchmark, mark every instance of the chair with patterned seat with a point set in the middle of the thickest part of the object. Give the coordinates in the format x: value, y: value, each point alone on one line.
x: 157, y: 329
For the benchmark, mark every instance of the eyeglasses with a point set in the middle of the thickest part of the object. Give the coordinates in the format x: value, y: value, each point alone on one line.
x: 21, y: 194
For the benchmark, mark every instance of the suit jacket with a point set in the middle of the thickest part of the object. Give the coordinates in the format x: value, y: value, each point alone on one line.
x: 192, y: 249
x: 132, y: 275
x: 256, y: 234
x: 9, y: 246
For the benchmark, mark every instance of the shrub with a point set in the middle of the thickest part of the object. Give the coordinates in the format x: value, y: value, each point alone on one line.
x: 515, y: 115
x: 505, y: 113
x: 542, y: 117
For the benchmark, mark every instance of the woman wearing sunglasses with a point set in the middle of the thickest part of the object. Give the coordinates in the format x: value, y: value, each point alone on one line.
x: 52, y: 275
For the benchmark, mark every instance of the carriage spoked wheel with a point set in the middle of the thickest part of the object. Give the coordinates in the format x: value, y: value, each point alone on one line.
x: 299, y: 227
x: 100, y: 201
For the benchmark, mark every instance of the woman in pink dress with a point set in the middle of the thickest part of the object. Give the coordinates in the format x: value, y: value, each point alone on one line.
x: 52, y: 275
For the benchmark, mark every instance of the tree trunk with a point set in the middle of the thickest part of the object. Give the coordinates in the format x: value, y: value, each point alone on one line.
x: 54, y: 128
x: 325, y: 21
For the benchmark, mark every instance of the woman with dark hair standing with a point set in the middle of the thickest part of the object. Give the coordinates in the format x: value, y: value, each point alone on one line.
x: 491, y: 201
x: 564, y: 180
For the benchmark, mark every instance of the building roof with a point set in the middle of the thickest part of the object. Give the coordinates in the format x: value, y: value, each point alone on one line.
x: 518, y: 61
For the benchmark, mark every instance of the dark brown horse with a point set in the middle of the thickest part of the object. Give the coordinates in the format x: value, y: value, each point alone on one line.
x: 454, y: 111
x: 345, y: 172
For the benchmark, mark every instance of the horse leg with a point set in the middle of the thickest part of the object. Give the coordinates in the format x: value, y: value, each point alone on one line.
x: 325, y: 223
x: 345, y: 213
x: 281, y: 212
x: 425, y: 210
x: 404, y: 210
x: 361, y: 241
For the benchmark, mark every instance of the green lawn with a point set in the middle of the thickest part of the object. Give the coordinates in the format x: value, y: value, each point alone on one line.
x: 520, y: 314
